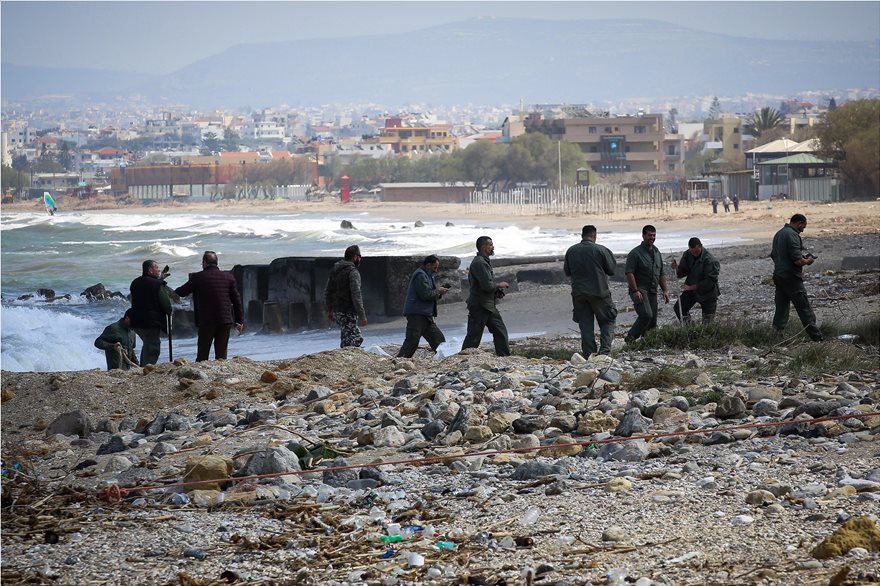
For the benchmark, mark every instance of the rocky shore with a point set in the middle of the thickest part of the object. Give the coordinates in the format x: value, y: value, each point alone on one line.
x: 735, y: 465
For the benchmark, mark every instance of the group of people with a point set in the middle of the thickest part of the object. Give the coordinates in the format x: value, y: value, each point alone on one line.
x: 218, y: 305
x: 727, y: 203
x: 216, y: 302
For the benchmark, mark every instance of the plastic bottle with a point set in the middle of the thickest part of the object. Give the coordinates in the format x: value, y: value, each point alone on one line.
x: 617, y: 577
x: 445, y: 545
x: 531, y: 515
x: 390, y: 538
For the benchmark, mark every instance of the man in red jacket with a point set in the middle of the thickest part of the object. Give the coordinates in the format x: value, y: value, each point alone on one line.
x: 217, y: 305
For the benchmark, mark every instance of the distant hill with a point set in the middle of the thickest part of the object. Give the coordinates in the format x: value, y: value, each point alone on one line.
x: 504, y: 60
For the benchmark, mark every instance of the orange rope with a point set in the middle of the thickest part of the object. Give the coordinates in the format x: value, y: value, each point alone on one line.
x: 114, y: 492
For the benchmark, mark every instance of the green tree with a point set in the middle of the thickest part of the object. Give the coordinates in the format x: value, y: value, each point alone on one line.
x: 65, y: 156
x: 850, y: 136
x: 832, y: 104
x: 715, y: 109
x: 230, y: 140
x: 765, y: 119
x: 210, y: 144
x: 13, y: 179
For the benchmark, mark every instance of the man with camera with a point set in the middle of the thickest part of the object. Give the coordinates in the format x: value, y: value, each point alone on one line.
x: 149, y: 304
x: 789, y: 261
x: 420, y: 308
x: 481, y: 302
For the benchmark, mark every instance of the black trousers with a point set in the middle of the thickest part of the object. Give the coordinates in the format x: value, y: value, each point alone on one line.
x: 792, y: 292
x: 688, y: 299
x: 218, y: 335
x: 417, y: 327
x: 478, y: 320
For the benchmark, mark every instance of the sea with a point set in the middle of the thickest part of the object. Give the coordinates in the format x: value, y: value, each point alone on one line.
x: 71, y: 251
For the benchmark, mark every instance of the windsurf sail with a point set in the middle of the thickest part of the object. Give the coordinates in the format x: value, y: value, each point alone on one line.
x: 50, y: 203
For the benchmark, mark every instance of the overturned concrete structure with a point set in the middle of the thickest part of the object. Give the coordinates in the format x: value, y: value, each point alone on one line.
x: 288, y: 293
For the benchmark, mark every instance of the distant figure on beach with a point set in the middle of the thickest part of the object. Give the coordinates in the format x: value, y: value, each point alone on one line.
x: 343, y: 299
x: 217, y: 306
x: 150, y: 306
x: 118, y: 342
x: 735, y: 202
x: 589, y: 265
x: 714, y: 205
x: 420, y: 308
x: 700, y: 270
x: 726, y: 203
x: 644, y: 271
x: 789, y: 261
x: 482, y: 299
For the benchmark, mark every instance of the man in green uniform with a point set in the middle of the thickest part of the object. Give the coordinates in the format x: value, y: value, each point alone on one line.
x: 118, y: 341
x: 701, y: 284
x: 589, y: 265
x: 788, y: 277
x: 644, y: 271
x: 482, y: 312
x: 420, y: 308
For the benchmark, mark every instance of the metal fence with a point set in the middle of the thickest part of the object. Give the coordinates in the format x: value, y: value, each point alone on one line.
x: 595, y: 200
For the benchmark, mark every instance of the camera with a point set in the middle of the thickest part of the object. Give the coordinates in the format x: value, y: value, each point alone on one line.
x: 499, y: 293
x: 446, y: 286
x: 810, y: 255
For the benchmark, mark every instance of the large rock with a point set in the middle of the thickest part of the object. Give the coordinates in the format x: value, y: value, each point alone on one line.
x: 71, y: 423
x: 209, y: 467
x: 855, y: 532
x: 633, y: 422
x: 596, y: 422
x: 274, y: 460
x: 532, y: 470
x: 730, y: 407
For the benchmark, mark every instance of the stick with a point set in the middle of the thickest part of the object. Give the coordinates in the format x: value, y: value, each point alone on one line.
x: 170, y: 345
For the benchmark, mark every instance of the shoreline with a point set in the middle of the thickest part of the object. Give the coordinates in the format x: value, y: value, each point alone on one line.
x: 756, y: 219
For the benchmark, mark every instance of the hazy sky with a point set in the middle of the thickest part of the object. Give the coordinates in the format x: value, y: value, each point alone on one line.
x: 161, y: 37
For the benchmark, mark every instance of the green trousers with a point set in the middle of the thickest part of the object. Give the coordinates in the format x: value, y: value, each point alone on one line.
x: 792, y: 292
x: 418, y: 327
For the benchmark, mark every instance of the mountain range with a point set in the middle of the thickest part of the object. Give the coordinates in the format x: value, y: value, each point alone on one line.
x: 482, y: 61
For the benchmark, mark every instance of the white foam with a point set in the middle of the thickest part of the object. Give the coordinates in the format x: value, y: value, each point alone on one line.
x: 40, y: 340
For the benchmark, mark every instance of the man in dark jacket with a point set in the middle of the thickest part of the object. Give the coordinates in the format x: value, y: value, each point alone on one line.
x: 788, y: 277
x: 644, y: 271
x: 701, y: 270
x: 118, y: 342
x: 343, y: 300
x: 150, y: 305
x: 589, y: 265
x: 420, y: 308
x: 217, y: 306
x: 481, y: 302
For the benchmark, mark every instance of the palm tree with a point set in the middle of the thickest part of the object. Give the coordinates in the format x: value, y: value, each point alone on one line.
x: 766, y: 118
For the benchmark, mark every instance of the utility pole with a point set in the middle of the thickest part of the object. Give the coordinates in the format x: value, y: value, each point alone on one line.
x: 559, y: 161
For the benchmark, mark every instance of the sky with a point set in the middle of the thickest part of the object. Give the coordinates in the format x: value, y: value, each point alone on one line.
x: 160, y: 37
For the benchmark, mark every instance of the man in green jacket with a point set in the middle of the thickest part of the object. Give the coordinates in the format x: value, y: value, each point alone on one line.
x: 701, y: 270
x: 644, y: 271
x: 589, y: 265
x: 789, y: 261
x: 484, y: 292
x: 118, y: 341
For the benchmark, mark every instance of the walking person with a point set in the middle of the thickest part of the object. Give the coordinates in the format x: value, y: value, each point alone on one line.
x: 420, y: 308
x: 714, y: 205
x: 644, y: 272
x: 735, y: 202
x: 589, y: 265
x: 700, y: 270
x: 118, y: 342
x: 217, y: 305
x: 482, y: 301
x: 789, y: 261
x: 343, y: 300
x: 150, y: 305
x: 726, y: 204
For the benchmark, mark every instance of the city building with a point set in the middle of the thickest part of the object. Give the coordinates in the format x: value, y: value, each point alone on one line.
x: 412, y: 140
x: 615, y: 146
x: 724, y: 136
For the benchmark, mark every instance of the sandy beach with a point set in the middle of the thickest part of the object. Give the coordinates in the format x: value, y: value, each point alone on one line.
x: 755, y: 220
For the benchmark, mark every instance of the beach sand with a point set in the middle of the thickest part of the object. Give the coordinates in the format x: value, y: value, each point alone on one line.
x: 755, y: 220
